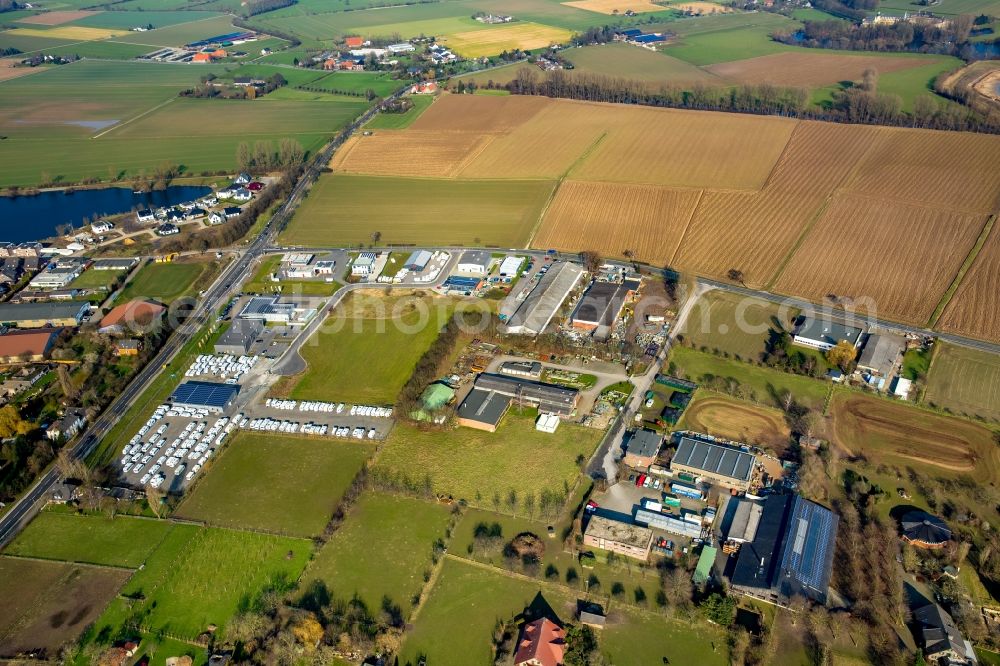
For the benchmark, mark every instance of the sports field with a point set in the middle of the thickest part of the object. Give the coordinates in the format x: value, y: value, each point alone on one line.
x: 473, y: 465
x: 889, y: 432
x: 201, y: 576
x: 351, y: 347
x: 163, y: 282
x: 722, y: 416
x: 965, y: 381
x: 48, y: 604
x: 282, y: 484
x: 404, y: 530
x: 346, y: 210
x: 120, y: 542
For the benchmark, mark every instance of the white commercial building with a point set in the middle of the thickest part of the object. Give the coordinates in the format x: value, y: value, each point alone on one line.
x: 510, y: 266
x: 474, y: 262
x: 362, y: 266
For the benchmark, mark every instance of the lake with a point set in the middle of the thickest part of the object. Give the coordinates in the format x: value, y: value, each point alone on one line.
x: 34, y: 217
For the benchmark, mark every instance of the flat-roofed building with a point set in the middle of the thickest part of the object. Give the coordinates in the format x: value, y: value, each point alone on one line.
x: 474, y: 262
x: 668, y: 523
x: 510, y: 267
x: 213, y: 396
x: 641, y: 448
x: 547, y: 397
x: 483, y: 409
x: 601, y: 306
x: 724, y: 465
x: 56, y: 278
x: 824, y: 334
x: 544, y: 301
x: 363, y: 264
x: 880, y: 353
x: 528, y: 369
x: 38, y: 315
x: 240, y: 337
x: 25, y: 346
x: 623, y: 538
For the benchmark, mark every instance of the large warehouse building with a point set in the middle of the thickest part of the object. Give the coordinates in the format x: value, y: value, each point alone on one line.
x: 716, y: 463
x: 601, y: 306
x: 547, y: 397
x: 544, y: 301
x: 37, y: 315
x: 212, y: 396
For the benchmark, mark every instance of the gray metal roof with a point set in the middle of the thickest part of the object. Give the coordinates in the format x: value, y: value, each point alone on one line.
x: 668, y: 523
x: 881, y: 351
x: 601, y: 304
x: 484, y: 406
x: 715, y: 458
x: 550, y: 398
x: 43, y: 311
x: 477, y: 257
x: 644, y: 443
x: 827, y: 331
x: 543, y: 302
x: 241, y: 333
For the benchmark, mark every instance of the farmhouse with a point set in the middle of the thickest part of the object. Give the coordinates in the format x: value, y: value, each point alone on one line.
x: 67, y: 426
x: 212, y: 396
x: 23, y: 346
x: 474, y: 262
x: 354, y: 42
x: 791, y: 552
x: 38, y: 315
x: 940, y: 637
x: 724, y: 465
x: 529, y: 369
x: 240, y: 337
x: 641, y: 448
x: 541, y: 305
x: 363, y: 264
x: 542, y: 643
x: 623, y: 538
x: 824, y: 334
x: 483, y: 409
x: 601, y: 306
x: 136, y: 316
x: 924, y: 530
x: 881, y: 353
x: 547, y: 397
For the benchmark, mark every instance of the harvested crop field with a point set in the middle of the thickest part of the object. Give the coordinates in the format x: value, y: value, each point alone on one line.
x: 965, y: 380
x: 494, y: 40
x: 615, y: 6
x: 75, y: 32
x: 9, y: 71
x: 974, y: 309
x: 56, y: 18
x: 479, y: 113
x: 886, y: 284
x: 47, y: 604
x: 738, y: 421
x: 796, y: 68
x: 702, y: 8
x: 894, y: 433
x: 648, y: 219
x: 401, y: 153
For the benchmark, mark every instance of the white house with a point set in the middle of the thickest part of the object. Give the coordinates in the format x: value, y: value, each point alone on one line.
x: 824, y: 334
x: 241, y: 194
x: 216, y: 218
x: 167, y: 229
x: 145, y: 215
x: 101, y: 227
x: 242, y: 179
x: 231, y: 211
x: 363, y: 265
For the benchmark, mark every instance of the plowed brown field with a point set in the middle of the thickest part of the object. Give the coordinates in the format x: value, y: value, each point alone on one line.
x: 432, y: 154
x: 808, y: 69
x: 647, y: 219
x: 479, y: 113
x: 881, y: 271
x: 975, y: 307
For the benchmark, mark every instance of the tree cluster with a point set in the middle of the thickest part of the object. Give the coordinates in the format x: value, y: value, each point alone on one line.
x: 255, y: 7
x: 919, y: 37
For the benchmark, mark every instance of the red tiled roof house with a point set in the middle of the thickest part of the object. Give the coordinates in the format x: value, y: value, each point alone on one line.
x: 542, y: 643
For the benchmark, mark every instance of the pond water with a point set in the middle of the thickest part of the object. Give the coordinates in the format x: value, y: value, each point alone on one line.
x: 34, y: 217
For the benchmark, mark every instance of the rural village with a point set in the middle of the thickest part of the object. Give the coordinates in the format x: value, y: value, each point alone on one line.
x: 499, y: 332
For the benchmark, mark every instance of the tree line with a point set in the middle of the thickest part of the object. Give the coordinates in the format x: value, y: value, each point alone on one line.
x: 255, y: 7
x: 948, y: 38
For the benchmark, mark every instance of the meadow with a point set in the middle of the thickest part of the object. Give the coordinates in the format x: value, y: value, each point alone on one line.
x: 889, y: 432
x: 476, y: 466
x: 722, y: 416
x: 965, y: 381
x: 239, y: 488
x: 163, y: 282
x: 357, y: 83
x: 404, y: 530
x: 638, y: 64
x: 351, y: 345
x: 736, y: 324
x: 92, y: 279
x: 119, y: 542
x: 181, y: 34
x: 397, y: 121
x: 727, y: 37
x: 346, y: 210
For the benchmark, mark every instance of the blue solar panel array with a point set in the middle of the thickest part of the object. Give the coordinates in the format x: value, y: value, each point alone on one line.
x: 461, y: 283
x: 809, y: 544
x: 205, y: 394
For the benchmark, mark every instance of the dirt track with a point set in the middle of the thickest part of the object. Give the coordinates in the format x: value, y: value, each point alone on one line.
x: 722, y: 417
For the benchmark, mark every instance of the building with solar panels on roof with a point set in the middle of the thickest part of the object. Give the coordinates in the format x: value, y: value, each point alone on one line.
x: 719, y: 464
x: 213, y: 396
x: 789, y: 553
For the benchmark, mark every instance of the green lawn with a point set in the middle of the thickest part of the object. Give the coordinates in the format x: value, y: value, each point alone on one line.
x: 736, y: 324
x: 201, y: 576
x: 358, y: 83
x: 92, y: 279
x: 473, y: 465
x: 283, y: 484
x: 404, y: 530
x: 637, y: 64
x: 726, y: 37
x: 345, y: 210
x: 363, y: 359
x: 964, y: 380
x: 759, y: 384
x: 122, y: 541
x: 163, y: 282
x: 130, y: 19
x: 641, y: 639
x: 184, y: 33
x: 402, y: 120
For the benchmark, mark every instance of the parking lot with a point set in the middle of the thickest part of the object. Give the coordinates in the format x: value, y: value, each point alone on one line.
x: 339, y: 419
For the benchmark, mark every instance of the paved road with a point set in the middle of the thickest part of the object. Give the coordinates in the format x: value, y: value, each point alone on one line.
x: 229, y: 282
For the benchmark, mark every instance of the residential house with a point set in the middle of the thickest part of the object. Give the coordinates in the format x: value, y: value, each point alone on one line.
x: 542, y: 643
x: 101, y: 227
x: 67, y: 426
x: 216, y: 217
x: 941, y: 639
x: 167, y: 230
x: 242, y: 178
x: 194, y: 213
x: 241, y: 194
x: 231, y: 212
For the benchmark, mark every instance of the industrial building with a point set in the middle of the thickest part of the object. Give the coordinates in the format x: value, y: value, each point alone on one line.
x: 24, y: 346
x: 641, y: 448
x: 461, y: 285
x: 623, y: 538
x: 824, y: 334
x: 483, y: 410
x: 363, y: 264
x: 547, y: 397
x: 528, y: 369
x: 790, y: 552
x: 212, y: 396
x: 510, y: 267
x: 418, y: 261
x: 474, y: 262
x: 544, y: 301
x: 114, y: 264
x: 724, y: 465
x: 240, y: 337
x: 669, y: 523
x: 269, y: 309
x: 38, y: 315
x: 56, y: 278
x: 601, y: 306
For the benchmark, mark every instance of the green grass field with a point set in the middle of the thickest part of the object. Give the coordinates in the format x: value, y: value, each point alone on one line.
x: 122, y: 541
x: 163, y: 282
x: 759, y: 384
x: 92, y: 279
x: 358, y: 83
x: 626, y: 61
x: 353, y: 349
x: 948, y: 7
x: 201, y: 576
x: 964, y: 380
x: 184, y: 33
x: 345, y: 210
x: 722, y: 38
x: 741, y: 326
x: 402, y: 120
x: 638, y: 639
x: 473, y: 465
x: 130, y: 19
x: 284, y: 484
x: 404, y: 530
